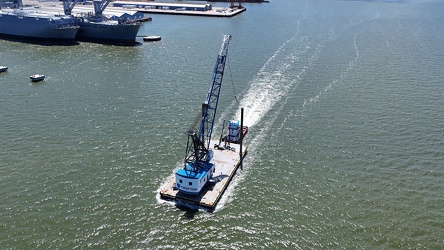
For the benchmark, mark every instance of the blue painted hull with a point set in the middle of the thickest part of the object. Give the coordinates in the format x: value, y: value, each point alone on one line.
x: 108, y: 31
x: 29, y: 25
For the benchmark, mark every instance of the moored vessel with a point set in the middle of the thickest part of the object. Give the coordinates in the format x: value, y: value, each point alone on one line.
x: 30, y: 22
x: 37, y: 77
x: 97, y: 27
x: 108, y: 31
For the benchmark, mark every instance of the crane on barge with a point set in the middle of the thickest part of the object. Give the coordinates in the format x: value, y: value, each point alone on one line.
x: 197, y: 169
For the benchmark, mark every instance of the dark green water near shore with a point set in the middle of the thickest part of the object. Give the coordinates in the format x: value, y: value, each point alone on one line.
x: 344, y: 100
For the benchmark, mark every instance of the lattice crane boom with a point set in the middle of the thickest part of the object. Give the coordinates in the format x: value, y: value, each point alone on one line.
x: 198, y: 145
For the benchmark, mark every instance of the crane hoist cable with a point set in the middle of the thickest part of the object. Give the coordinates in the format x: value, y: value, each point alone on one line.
x: 232, y: 82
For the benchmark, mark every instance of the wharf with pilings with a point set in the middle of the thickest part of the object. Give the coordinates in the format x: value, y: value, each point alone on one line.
x: 178, y: 8
x: 227, y: 159
x: 121, y: 7
x: 239, y: 1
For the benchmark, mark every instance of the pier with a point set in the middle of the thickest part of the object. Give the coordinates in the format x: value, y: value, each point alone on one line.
x: 120, y: 8
x: 179, y: 8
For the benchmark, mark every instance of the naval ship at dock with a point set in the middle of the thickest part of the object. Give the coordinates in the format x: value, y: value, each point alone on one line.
x: 31, y: 22
x: 95, y: 26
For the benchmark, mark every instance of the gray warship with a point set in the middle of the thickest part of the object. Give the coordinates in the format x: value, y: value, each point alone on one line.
x: 97, y: 27
x: 30, y: 22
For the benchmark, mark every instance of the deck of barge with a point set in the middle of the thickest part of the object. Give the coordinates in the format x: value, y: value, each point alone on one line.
x: 227, y: 162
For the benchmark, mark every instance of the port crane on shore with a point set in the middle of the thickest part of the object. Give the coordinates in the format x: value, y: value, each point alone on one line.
x: 239, y: 6
x: 198, y: 169
x: 99, y: 8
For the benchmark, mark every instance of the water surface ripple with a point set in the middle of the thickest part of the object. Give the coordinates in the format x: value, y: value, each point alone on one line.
x: 344, y: 102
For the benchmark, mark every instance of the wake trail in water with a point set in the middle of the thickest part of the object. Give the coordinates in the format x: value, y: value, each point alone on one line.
x: 286, y: 67
x: 278, y: 77
x: 333, y: 83
x: 270, y: 88
x: 274, y: 80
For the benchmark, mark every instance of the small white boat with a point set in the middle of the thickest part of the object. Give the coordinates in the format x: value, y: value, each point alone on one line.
x: 37, y: 77
x: 3, y: 69
x: 151, y: 38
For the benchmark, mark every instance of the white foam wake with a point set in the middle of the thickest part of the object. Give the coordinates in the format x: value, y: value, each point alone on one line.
x: 274, y: 80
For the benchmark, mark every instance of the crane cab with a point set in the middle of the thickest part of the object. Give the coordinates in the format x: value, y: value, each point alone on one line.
x: 190, y: 181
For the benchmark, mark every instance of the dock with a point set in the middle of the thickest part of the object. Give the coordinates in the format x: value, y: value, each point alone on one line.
x: 191, y: 9
x: 53, y: 6
x: 121, y: 8
x: 227, y: 162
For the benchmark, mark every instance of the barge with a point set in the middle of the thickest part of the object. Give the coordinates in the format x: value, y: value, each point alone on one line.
x: 209, y: 165
x: 227, y: 162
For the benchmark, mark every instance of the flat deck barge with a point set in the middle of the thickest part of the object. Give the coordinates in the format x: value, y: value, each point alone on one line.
x: 227, y: 161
